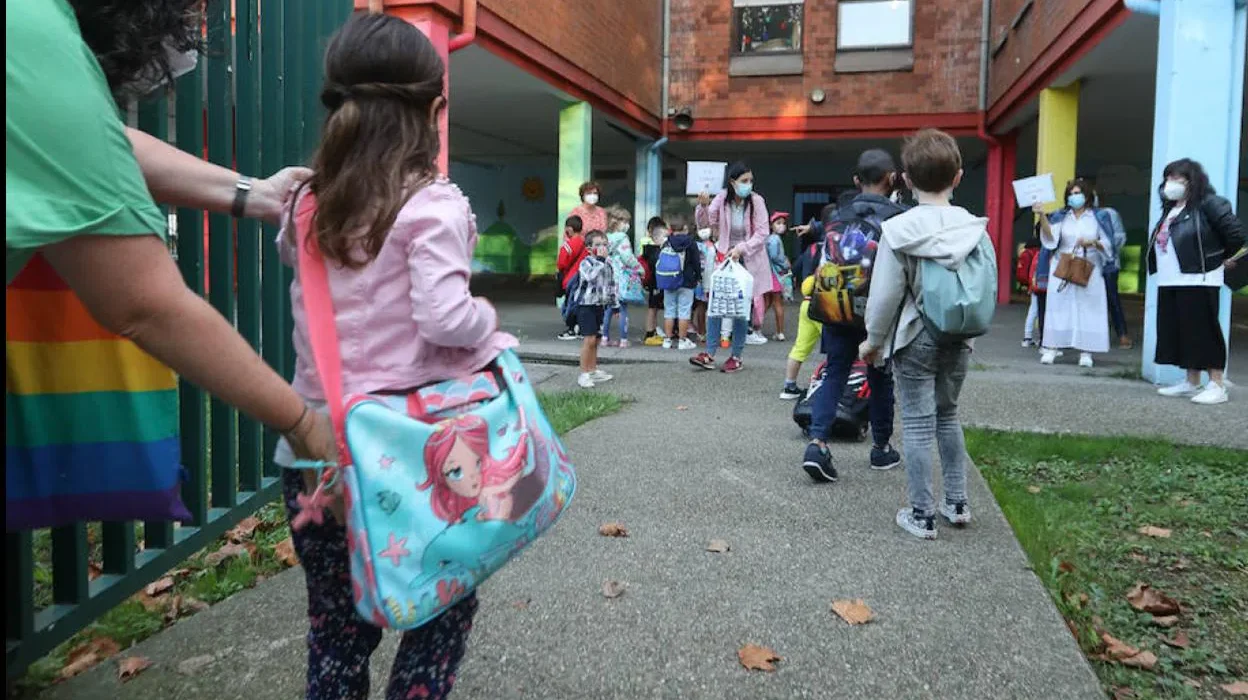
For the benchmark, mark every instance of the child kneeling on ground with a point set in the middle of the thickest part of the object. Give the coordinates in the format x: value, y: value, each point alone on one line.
x: 678, y: 297
x: 598, y: 293
x: 929, y: 375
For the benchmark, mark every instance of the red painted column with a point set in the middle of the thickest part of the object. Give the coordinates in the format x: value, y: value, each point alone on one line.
x: 999, y: 207
x: 436, y: 26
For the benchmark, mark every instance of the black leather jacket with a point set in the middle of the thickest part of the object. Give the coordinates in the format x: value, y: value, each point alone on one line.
x: 1203, y: 237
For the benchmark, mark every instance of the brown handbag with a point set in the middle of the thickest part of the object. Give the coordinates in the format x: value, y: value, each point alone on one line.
x: 1074, y: 268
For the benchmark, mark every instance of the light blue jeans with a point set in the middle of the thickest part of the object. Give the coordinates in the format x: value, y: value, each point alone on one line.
x: 622, y: 311
x: 929, y: 379
x: 740, y: 329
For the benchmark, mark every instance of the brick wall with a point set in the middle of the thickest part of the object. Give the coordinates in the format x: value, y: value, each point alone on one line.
x: 945, y: 77
x: 1043, y: 23
x: 616, y: 41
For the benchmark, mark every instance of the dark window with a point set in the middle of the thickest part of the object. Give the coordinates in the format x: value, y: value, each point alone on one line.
x: 767, y: 29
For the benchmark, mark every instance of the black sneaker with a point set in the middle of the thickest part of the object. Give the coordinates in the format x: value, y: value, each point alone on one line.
x: 884, y: 458
x: 818, y: 463
x: 569, y: 335
x: 790, y: 391
x: 917, y: 524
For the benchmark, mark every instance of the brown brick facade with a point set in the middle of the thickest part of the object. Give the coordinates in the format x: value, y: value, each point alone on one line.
x: 616, y: 41
x: 945, y: 78
x: 1037, y: 30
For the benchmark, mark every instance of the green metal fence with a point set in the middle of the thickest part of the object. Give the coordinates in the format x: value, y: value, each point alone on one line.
x: 253, y: 103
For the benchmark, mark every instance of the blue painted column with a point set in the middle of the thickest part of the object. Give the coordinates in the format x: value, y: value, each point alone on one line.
x: 1198, y: 112
x: 648, y: 184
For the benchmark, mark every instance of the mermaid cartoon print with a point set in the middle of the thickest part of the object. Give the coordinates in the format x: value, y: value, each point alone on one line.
x: 464, y: 475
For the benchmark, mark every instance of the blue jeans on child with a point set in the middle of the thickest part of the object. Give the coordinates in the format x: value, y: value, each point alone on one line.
x: 622, y: 312
x: 840, y: 343
x: 678, y: 304
x: 715, y: 326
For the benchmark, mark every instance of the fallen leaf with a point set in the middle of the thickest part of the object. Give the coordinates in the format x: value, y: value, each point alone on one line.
x: 1066, y: 567
x: 757, y: 658
x: 1143, y: 559
x: 243, y: 530
x: 149, y: 603
x: 175, y: 609
x: 1145, y: 660
x: 159, y: 587
x: 1236, y: 688
x: 1147, y: 599
x: 131, y: 666
x: 94, y: 571
x: 229, y: 551
x: 1033, y: 489
x: 88, y: 655
x: 1083, y: 598
x: 1116, y: 649
x: 285, y: 552
x: 1151, y: 531
x: 1166, y: 620
x: 612, y: 589
x: 1074, y: 631
x: 855, y: 612
x: 194, y: 605
x: 718, y: 546
x: 78, y: 665
x: 1180, y: 565
x: 613, y: 530
x: 1123, y: 693
x: 682, y: 408
x: 1193, y: 683
x: 1179, y: 641
x: 1206, y: 533
x: 179, y: 573
x: 521, y: 604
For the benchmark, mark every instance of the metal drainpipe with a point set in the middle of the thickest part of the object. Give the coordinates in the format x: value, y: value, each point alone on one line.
x: 984, y: 32
x: 468, y: 33
x: 667, y: 67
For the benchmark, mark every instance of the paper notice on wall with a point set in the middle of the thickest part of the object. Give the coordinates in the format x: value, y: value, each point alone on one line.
x: 704, y: 176
x: 1037, y: 189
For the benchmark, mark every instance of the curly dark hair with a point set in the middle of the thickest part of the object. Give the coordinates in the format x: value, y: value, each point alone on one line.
x: 131, y: 38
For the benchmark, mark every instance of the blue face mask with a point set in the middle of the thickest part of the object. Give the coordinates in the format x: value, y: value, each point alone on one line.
x: 1076, y: 200
x: 743, y: 189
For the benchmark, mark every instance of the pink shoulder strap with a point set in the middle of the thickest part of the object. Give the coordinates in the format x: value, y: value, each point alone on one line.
x: 319, y: 308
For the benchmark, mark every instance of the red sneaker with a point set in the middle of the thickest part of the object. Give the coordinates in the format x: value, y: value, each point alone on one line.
x: 702, y: 360
x: 732, y: 365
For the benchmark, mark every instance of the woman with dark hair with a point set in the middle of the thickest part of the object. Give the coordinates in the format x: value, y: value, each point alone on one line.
x: 739, y: 215
x: 80, y: 190
x: 1076, y: 316
x: 593, y: 216
x: 1188, y: 253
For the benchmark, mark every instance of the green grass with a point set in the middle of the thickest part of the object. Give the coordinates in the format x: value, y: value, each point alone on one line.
x: 195, y: 579
x: 1076, y: 504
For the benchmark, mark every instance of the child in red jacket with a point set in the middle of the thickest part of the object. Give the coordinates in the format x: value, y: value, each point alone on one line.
x: 571, y: 253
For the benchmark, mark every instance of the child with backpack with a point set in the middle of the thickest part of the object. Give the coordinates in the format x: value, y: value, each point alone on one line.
x: 393, y: 231
x: 656, y: 236
x: 838, y: 300
x: 933, y: 289
x: 571, y: 252
x: 677, y: 273
x: 781, y: 272
x: 596, y: 293
x: 627, y: 274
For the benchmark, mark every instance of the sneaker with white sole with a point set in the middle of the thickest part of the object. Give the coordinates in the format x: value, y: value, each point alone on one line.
x: 1048, y: 357
x: 1183, y: 388
x: 755, y: 338
x: 667, y: 343
x: 598, y: 376
x: 1029, y: 343
x: 1214, y: 393
x: 779, y: 338
x: 791, y: 392
x: 686, y: 344
x: 569, y: 335
x: 585, y: 381
x: 884, y: 458
x: 817, y: 462
x: 923, y: 526
x: 956, y: 513
x: 1085, y: 359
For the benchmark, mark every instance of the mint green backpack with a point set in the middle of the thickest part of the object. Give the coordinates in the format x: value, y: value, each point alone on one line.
x: 957, y: 305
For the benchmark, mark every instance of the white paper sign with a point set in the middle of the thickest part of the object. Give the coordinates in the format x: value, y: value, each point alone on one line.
x: 704, y: 176
x: 1037, y: 189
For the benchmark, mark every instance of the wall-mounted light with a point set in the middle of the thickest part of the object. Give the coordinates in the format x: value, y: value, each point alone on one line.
x: 817, y: 96
x: 683, y: 119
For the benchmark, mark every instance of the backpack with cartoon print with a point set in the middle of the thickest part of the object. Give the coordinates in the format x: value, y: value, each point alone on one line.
x: 844, y: 273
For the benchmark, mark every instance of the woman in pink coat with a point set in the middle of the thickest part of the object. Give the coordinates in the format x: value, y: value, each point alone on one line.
x: 739, y: 216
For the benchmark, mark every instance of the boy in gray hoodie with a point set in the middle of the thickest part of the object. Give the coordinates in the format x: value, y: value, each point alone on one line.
x: 929, y: 375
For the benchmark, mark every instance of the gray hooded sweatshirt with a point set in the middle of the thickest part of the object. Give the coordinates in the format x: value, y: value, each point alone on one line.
x: 945, y: 234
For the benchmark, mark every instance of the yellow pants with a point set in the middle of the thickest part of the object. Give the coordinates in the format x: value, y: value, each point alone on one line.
x: 808, y: 333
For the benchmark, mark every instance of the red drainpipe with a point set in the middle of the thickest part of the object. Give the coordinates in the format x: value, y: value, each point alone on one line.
x: 469, y: 32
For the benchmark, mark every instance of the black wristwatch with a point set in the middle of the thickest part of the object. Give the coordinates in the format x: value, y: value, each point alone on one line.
x: 242, y: 188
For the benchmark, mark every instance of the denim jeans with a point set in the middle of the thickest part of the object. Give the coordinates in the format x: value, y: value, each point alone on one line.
x: 622, y: 312
x: 715, y: 326
x: 841, y: 343
x: 929, y: 380
x: 1114, y: 301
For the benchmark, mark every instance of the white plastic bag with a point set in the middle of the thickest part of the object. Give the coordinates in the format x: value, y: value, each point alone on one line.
x: 731, y: 291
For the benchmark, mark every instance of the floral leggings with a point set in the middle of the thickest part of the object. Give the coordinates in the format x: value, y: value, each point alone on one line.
x: 340, y: 641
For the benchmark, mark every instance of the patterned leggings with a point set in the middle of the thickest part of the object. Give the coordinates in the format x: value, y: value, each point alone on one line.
x: 340, y: 641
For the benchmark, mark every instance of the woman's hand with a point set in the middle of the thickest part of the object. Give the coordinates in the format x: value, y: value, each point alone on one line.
x: 313, y: 438
x: 735, y: 254
x: 704, y: 198
x: 268, y: 196
x: 1038, y: 209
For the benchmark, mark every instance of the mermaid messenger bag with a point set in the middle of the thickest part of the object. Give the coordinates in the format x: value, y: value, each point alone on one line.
x: 442, y: 485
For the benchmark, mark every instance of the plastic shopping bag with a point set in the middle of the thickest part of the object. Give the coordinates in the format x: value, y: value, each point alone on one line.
x: 732, y: 291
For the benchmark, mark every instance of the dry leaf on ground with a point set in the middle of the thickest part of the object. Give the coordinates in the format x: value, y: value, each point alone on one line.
x: 1192, y: 683
x: 756, y: 658
x: 1066, y: 567
x: 1147, y: 599
x: 94, y: 571
x: 1127, y: 655
x: 1151, y: 531
x: 522, y: 604
x: 1166, y: 620
x: 718, y: 546
x: 88, y: 655
x: 131, y: 666
x: 1142, y: 558
x: 244, y: 529
x: 612, y: 589
x: 1033, y: 489
x: 1178, y: 641
x: 855, y: 612
x: 285, y: 552
x: 1123, y: 693
x: 229, y: 551
x: 613, y: 530
x: 1180, y: 565
x: 682, y: 408
x: 1145, y: 660
x: 1236, y: 688
x: 159, y: 587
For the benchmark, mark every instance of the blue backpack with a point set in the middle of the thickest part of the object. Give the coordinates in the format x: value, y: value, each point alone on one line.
x: 957, y: 305
x: 669, y: 271
x: 572, y: 300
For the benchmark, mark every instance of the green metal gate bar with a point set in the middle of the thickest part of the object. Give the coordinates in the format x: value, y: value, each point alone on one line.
x: 253, y: 104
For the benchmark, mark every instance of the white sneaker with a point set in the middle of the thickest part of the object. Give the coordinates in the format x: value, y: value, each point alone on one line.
x: 1028, y: 342
x: 598, y: 376
x: 585, y: 381
x: 755, y: 338
x: 1047, y: 357
x: 780, y: 338
x: 686, y: 344
x: 921, y: 527
x: 1085, y: 359
x: 1214, y: 393
x: 667, y: 343
x: 1183, y: 388
x: 956, y: 513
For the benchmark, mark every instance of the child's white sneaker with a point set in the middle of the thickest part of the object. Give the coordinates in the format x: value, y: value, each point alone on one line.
x: 1048, y: 357
x: 921, y: 526
x: 585, y: 381
x: 598, y: 376
x: 1214, y: 393
x: 1183, y: 388
x: 755, y: 338
x: 1085, y: 359
x: 686, y: 344
x: 667, y: 343
x: 956, y: 513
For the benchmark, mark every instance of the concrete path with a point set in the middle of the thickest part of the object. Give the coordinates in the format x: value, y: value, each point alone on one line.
x: 703, y: 456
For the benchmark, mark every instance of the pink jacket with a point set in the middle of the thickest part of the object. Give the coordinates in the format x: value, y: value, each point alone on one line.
x: 407, y: 318
x: 754, y: 250
x: 596, y: 221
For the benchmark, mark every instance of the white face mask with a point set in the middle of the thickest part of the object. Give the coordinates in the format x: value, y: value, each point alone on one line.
x: 180, y: 63
x: 1174, y: 190
x: 704, y: 233
x: 624, y: 228
x: 591, y: 198
x: 779, y: 228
